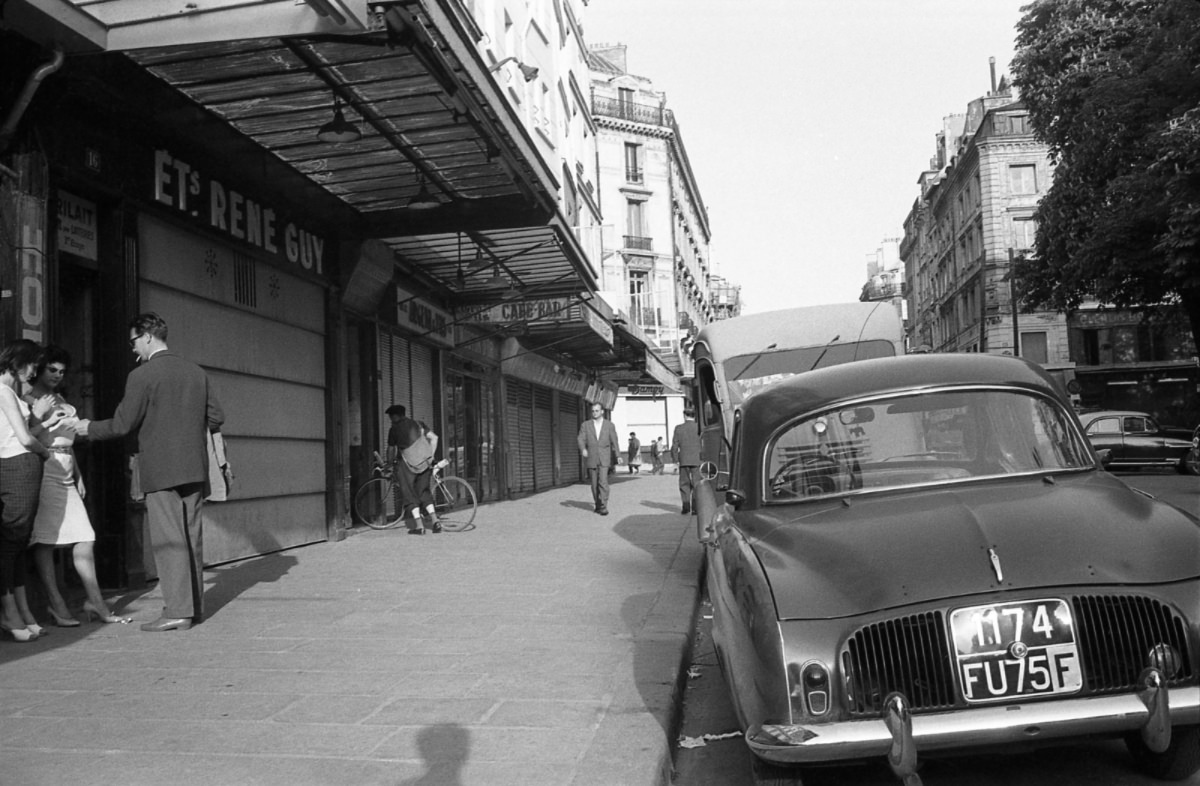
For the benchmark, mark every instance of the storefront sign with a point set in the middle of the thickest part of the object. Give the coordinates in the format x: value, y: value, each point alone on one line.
x: 525, y: 311
x: 531, y: 367
x: 76, y: 226
x: 654, y: 391
x: 31, y: 217
x: 424, y: 318
x: 658, y: 370
x: 599, y: 324
x: 179, y: 185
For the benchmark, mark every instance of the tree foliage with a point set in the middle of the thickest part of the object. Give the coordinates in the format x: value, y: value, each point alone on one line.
x: 1113, y: 87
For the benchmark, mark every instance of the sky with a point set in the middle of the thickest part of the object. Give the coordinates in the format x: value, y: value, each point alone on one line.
x: 807, y: 122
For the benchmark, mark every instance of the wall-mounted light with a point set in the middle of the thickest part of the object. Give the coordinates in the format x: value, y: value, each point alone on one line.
x: 529, y: 72
x: 338, y: 130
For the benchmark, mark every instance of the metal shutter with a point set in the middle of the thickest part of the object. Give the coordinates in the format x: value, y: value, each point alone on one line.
x: 519, y: 425
x: 543, y: 436
x: 423, y: 406
x: 394, y: 385
x: 568, y: 432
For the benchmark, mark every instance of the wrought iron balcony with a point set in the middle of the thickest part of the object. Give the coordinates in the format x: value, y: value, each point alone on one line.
x: 633, y: 174
x: 636, y: 243
x: 651, y: 114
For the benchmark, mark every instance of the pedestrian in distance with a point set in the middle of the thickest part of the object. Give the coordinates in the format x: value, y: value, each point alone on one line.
x: 685, y: 449
x: 21, y: 458
x: 411, y: 448
x: 62, y: 520
x: 634, y: 454
x: 170, y: 404
x: 656, y: 451
x: 599, y: 446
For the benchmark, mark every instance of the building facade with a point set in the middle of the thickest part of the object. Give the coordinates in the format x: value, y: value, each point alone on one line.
x: 656, y: 269
x: 357, y: 207
x: 975, y: 213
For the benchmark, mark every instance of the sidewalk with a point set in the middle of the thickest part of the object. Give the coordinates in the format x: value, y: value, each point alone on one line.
x: 544, y: 648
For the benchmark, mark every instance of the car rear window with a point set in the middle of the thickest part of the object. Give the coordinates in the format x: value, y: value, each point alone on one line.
x: 920, y: 439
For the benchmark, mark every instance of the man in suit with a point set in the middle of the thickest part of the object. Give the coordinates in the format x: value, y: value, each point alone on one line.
x: 598, y: 443
x: 685, y: 449
x: 169, y: 403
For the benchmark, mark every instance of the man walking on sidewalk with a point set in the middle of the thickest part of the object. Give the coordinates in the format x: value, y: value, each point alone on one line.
x: 598, y: 444
x: 685, y: 449
x: 169, y: 403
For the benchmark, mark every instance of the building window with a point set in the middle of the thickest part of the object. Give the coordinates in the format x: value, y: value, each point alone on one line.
x: 633, y: 163
x: 1024, y: 233
x: 640, y: 307
x: 1022, y: 179
x: 635, y: 218
x: 1034, y: 348
x: 625, y: 99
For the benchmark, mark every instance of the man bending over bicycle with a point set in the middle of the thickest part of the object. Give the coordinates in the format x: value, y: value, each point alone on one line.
x: 410, y: 450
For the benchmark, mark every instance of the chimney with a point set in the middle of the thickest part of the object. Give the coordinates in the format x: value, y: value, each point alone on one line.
x: 992, y: 66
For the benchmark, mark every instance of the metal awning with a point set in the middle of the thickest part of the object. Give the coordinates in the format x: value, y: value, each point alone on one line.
x: 432, y: 117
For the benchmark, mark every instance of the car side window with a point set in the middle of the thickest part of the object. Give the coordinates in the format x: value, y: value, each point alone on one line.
x: 1104, y: 426
x: 1135, y: 425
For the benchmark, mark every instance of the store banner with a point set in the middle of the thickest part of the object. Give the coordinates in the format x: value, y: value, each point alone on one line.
x: 77, y: 226
x: 423, y: 318
x: 31, y: 229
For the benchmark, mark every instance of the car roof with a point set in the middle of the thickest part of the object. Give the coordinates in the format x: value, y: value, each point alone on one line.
x: 751, y: 333
x: 823, y: 387
x: 1087, y: 417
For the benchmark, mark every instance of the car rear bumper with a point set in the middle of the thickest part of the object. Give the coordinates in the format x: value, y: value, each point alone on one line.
x: 974, y: 727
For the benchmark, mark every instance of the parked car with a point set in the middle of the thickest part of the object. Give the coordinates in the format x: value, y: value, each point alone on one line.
x: 1192, y: 459
x: 1134, y: 439
x: 921, y: 556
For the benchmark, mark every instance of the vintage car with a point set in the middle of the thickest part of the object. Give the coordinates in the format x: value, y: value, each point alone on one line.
x: 1134, y: 439
x: 922, y: 556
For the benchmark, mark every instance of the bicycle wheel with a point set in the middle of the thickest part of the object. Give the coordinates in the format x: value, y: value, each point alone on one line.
x: 454, y: 502
x: 375, y: 504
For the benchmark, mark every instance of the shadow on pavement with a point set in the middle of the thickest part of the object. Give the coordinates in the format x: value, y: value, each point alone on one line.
x: 228, y: 581
x: 446, y: 748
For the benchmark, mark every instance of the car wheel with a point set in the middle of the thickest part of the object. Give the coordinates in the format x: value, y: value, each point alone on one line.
x: 1180, y: 760
x: 1190, y: 463
x: 767, y: 774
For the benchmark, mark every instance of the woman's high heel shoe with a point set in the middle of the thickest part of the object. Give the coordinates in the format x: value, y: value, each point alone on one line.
x: 63, y: 622
x: 19, y: 634
x: 92, y: 611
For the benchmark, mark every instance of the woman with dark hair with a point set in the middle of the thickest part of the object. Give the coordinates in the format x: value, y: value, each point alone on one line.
x: 61, y: 519
x: 21, y: 457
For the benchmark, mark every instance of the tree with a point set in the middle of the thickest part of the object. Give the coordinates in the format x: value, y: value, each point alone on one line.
x: 1113, y: 87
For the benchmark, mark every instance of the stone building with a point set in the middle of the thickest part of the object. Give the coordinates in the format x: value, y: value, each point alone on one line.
x: 974, y: 215
x: 656, y: 270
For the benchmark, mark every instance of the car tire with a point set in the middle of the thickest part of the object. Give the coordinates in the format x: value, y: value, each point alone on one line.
x: 767, y: 774
x: 1180, y: 760
x: 1190, y: 463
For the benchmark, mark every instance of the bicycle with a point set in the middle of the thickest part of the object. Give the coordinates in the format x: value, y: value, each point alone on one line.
x: 454, y: 502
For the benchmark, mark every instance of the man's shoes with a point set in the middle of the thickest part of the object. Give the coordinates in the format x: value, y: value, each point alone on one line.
x: 686, y: 510
x: 167, y: 623
x: 603, y: 511
x: 417, y: 531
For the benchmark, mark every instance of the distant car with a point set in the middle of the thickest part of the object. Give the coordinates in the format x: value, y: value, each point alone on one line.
x: 1193, y: 456
x: 920, y: 556
x: 1134, y: 439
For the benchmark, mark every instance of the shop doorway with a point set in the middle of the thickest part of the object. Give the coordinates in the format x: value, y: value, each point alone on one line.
x: 471, y: 429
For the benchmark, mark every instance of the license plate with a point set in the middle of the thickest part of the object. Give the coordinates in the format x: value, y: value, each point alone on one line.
x: 1006, y: 650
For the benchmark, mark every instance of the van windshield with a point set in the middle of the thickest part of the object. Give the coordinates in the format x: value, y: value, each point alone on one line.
x: 747, y: 374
